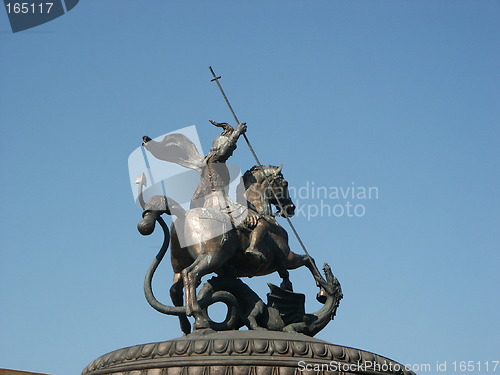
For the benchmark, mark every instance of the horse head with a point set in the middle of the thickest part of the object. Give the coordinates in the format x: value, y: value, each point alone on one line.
x: 268, y: 185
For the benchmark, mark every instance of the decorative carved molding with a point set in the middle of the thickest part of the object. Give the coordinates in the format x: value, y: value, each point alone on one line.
x: 241, y: 353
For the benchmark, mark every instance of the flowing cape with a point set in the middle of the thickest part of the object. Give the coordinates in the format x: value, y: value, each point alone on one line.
x: 177, y: 148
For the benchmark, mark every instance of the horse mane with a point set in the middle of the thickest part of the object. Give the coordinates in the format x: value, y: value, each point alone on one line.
x: 249, y: 176
x: 248, y: 180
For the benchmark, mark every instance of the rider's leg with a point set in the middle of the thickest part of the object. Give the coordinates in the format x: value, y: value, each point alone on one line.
x: 256, y: 236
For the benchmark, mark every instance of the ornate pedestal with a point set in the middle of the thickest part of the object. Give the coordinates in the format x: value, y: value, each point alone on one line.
x: 234, y: 240
x: 242, y: 353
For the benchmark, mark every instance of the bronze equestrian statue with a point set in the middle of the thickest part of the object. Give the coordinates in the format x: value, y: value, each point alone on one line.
x: 218, y: 235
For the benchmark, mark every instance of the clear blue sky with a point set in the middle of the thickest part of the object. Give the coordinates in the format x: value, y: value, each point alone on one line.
x: 400, y: 95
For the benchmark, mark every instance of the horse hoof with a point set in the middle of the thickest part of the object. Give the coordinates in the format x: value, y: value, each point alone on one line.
x: 202, y: 332
x: 201, y: 324
x: 321, y: 296
x: 258, y: 328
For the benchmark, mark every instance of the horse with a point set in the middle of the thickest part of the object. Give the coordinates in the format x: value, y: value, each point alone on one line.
x: 204, y: 240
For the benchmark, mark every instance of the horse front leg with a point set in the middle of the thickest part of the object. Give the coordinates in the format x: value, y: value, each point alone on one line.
x: 294, y: 261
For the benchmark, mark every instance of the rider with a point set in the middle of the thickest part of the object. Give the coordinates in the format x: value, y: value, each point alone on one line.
x: 213, y: 188
x: 212, y: 191
x: 214, y: 182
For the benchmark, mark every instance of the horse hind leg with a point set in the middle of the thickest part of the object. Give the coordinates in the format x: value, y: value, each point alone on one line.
x: 176, y: 294
x: 189, y: 287
x: 192, y: 275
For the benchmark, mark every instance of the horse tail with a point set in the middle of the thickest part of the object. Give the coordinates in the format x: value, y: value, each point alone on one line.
x: 152, y: 213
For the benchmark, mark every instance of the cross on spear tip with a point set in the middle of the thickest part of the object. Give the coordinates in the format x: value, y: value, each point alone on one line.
x: 216, y: 80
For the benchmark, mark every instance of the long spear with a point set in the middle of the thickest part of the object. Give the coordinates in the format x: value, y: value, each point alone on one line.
x: 216, y: 79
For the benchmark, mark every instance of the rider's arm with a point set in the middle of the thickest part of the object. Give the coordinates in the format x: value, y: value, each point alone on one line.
x: 225, y: 150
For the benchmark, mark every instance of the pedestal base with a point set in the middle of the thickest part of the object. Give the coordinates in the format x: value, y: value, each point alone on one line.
x: 242, y: 353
